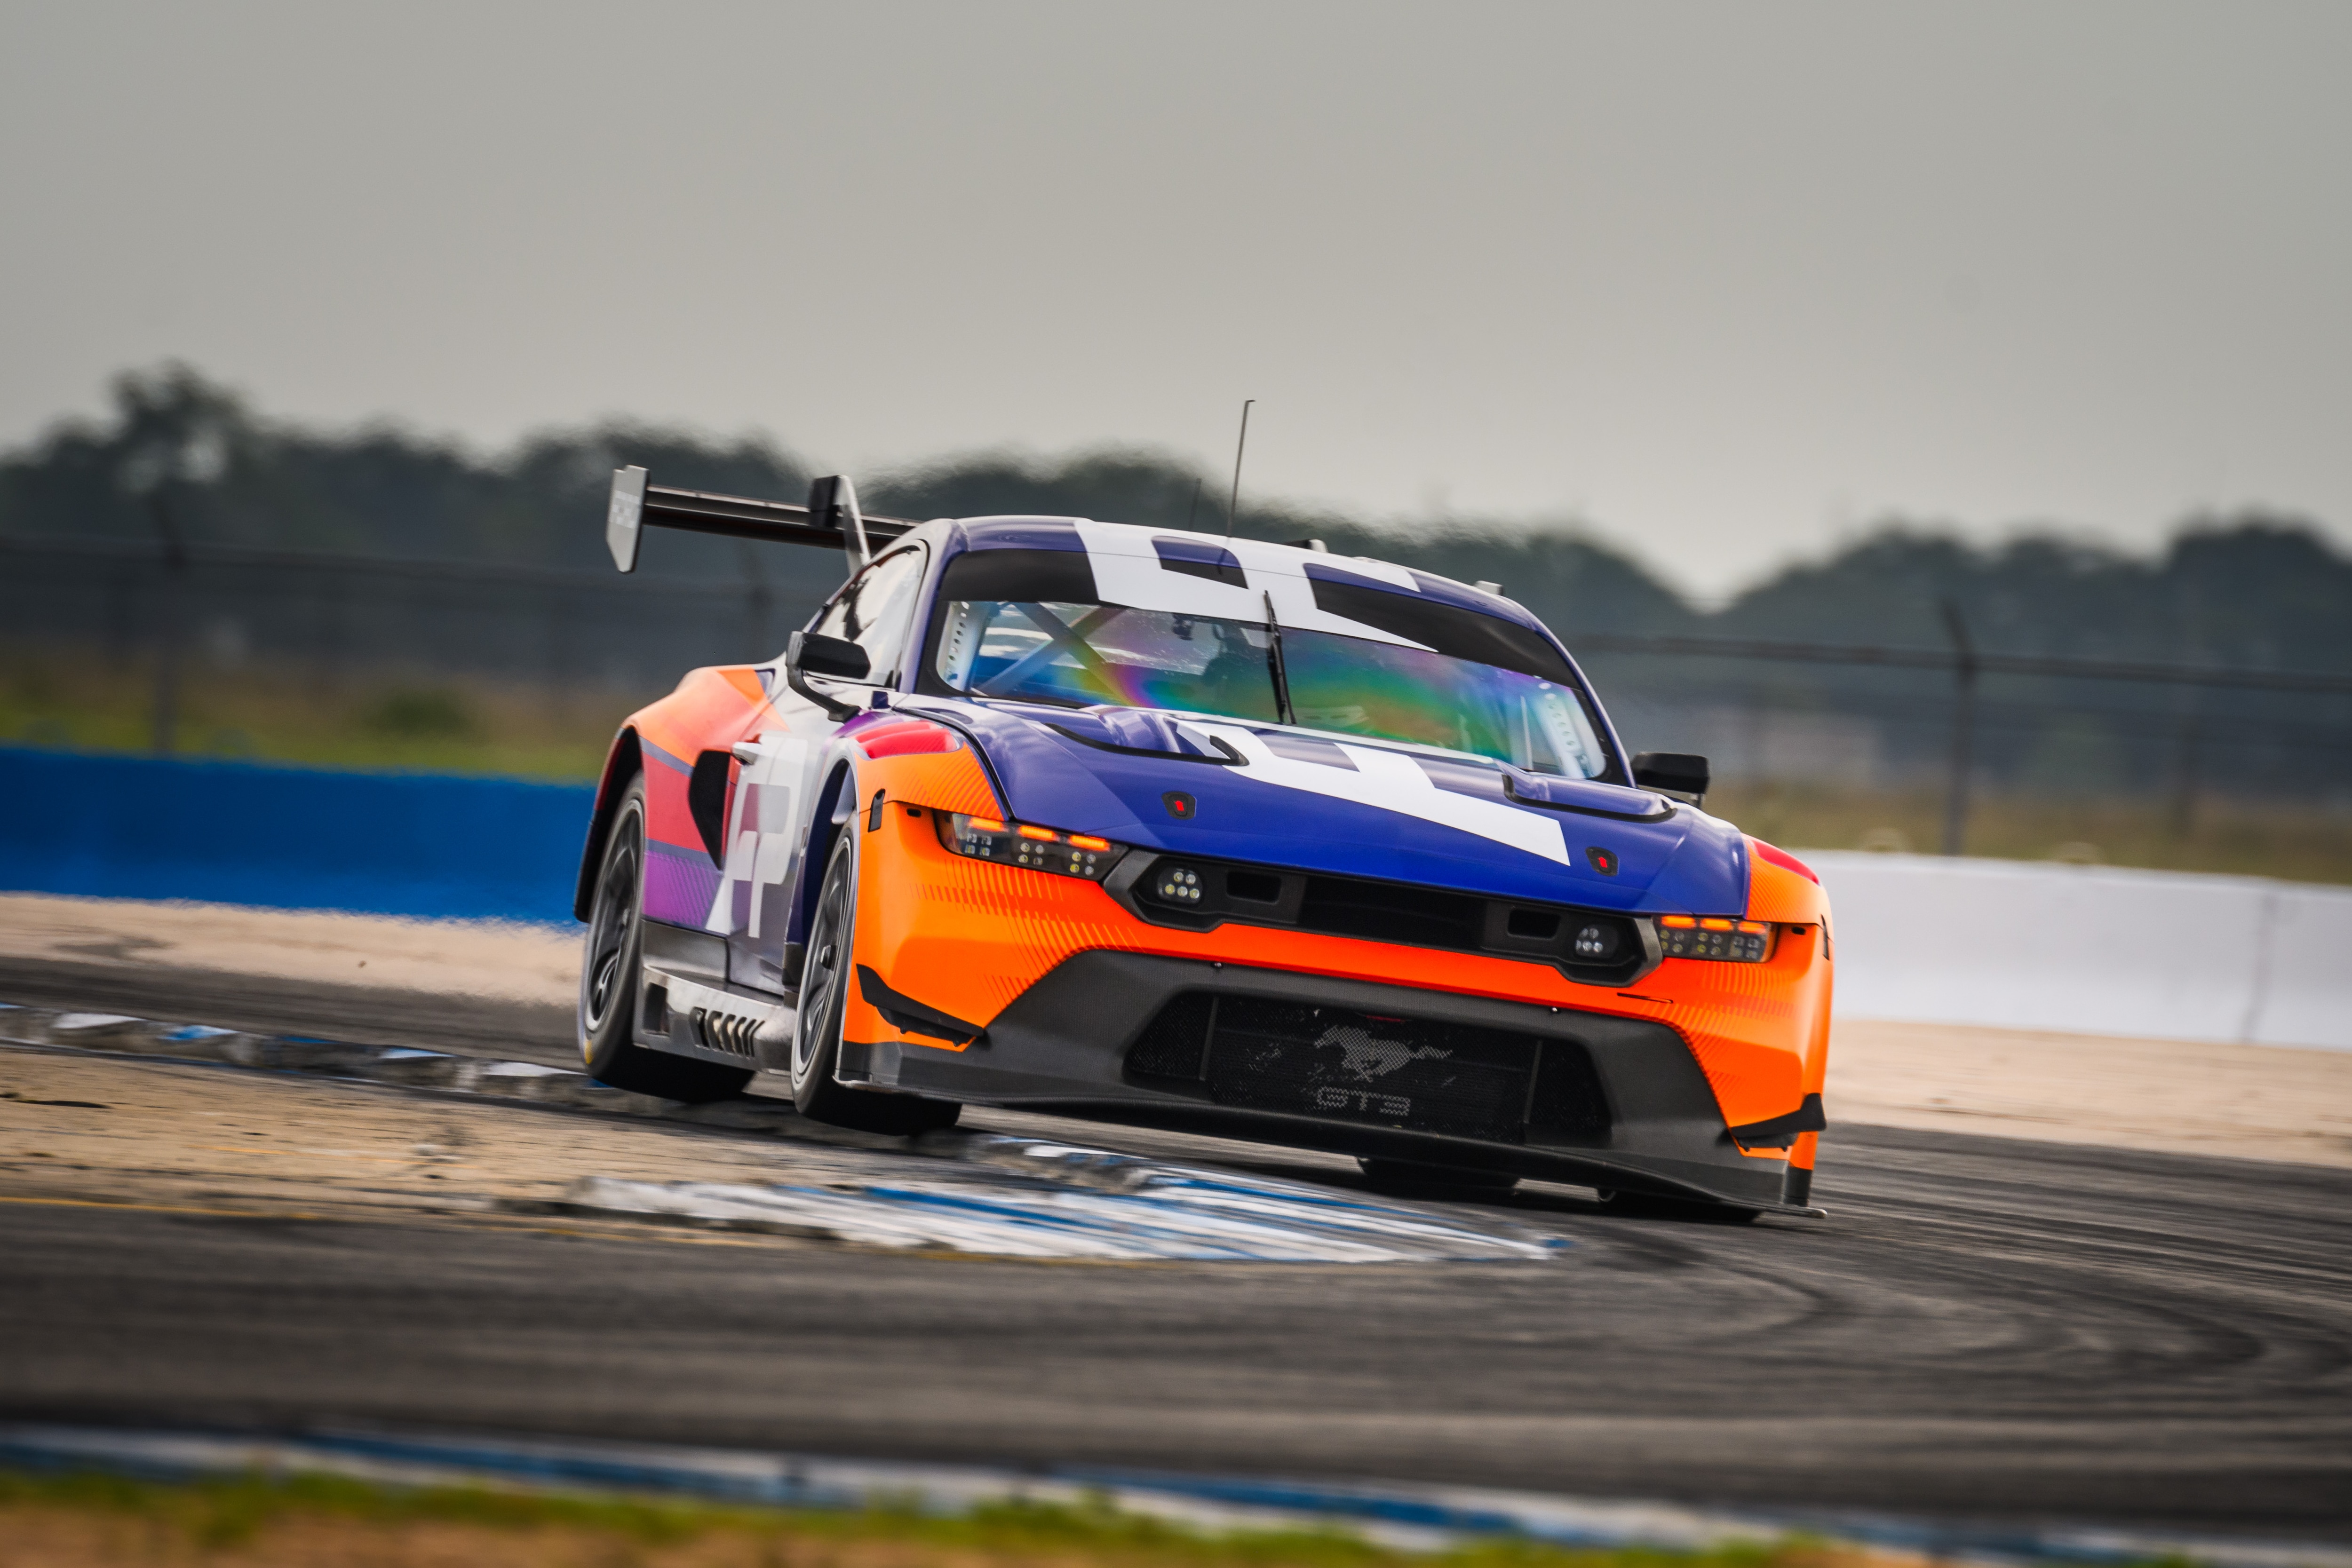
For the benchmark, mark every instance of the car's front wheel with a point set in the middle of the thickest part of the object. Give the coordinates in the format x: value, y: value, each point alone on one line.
x: 829, y: 971
x: 612, y: 967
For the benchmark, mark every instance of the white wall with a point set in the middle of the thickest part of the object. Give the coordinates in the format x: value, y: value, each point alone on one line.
x: 2094, y: 949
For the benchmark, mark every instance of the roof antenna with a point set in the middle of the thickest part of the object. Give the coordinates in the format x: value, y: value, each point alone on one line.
x: 1234, y: 501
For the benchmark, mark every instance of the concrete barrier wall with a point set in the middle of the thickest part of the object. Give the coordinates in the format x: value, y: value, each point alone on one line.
x: 2096, y: 949
x: 2010, y: 943
x: 290, y: 838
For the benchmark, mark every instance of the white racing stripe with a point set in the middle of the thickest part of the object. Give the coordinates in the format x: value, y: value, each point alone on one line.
x: 1128, y: 572
x: 1394, y: 782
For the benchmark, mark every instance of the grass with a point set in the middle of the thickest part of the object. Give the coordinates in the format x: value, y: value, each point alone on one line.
x: 98, y: 1521
x: 443, y: 725
x: 428, y: 724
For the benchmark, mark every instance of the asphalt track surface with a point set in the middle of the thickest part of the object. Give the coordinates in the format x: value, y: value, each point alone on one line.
x: 1983, y: 1330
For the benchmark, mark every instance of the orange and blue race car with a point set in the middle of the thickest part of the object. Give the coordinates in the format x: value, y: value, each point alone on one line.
x: 1206, y: 833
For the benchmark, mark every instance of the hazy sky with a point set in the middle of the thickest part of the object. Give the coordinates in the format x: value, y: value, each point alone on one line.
x: 1726, y: 279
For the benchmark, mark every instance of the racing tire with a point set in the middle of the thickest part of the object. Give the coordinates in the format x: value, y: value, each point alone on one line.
x: 826, y: 978
x: 612, y: 974
x: 1408, y: 1177
x: 1696, y: 1211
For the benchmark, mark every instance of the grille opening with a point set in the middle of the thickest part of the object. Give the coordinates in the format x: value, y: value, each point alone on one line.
x: 1345, y: 1066
x: 1568, y: 1104
x: 1338, y: 1064
x: 1383, y: 912
x: 1589, y: 946
x: 1256, y: 886
x: 1175, y: 1043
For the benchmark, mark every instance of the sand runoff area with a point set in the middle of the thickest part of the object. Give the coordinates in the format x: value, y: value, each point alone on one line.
x: 2247, y: 1101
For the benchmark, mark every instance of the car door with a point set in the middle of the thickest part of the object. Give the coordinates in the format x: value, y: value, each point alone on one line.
x: 779, y: 783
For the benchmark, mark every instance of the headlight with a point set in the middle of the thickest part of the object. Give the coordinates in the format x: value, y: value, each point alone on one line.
x: 1081, y: 855
x: 1725, y: 941
x: 1177, y: 883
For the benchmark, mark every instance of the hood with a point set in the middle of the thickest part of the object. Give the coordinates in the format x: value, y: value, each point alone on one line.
x: 1307, y: 800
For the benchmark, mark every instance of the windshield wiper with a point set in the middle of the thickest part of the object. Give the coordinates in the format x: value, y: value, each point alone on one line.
x: 1273, y: 662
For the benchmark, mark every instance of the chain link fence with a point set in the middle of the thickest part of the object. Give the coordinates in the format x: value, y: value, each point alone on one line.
x: 1951, y: 718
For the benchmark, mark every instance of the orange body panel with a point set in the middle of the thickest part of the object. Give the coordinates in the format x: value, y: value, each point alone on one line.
x: 968, y: 936
x: 943, y: 780
x: 1778, y: 894
x: 712, y: 709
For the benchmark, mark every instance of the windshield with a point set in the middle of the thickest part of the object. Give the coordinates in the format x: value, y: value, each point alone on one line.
x: 1081, y: 652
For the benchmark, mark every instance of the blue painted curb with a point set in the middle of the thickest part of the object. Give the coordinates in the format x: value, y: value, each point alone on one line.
x: 1417, y: 1518
x: 419, y: 844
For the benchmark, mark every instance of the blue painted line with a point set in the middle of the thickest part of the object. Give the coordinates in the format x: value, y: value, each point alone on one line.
x: 574, y: 1467
x: 1295, y: 1497
x: 417, y: 844
x: 1401, y: 1514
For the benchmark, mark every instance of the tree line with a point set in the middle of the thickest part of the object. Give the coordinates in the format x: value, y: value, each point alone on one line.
x: 2251, y: 589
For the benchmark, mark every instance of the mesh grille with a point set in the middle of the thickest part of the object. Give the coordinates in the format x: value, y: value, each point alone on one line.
x: 1568, y: 1102
x: 1343, y: 1065
x: 1171, y: 1044
x: 1359, y: 1067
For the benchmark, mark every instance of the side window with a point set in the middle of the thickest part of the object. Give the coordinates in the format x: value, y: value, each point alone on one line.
x: 876, y: 609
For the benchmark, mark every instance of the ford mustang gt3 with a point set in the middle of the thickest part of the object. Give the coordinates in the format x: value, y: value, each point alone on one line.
x: 1153, y: 826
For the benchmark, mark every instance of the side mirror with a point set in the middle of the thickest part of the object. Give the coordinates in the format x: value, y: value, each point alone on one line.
x: 834, y: 658
x: 1675, y: 773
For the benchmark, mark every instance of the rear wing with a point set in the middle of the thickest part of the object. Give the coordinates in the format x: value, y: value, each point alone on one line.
x: 831, y: 518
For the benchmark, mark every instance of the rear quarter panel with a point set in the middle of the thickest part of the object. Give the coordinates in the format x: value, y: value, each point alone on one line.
x: 709, y: 711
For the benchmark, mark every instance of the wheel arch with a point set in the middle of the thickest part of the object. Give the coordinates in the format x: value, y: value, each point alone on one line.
x: 836, y: 802
x: 624, y: 760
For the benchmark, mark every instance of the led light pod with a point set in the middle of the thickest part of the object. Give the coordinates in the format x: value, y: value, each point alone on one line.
x: 1081, y: 855
x: 1177, y: 884
x: 1724, y: 941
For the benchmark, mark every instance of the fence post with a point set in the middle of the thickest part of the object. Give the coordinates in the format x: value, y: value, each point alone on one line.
x: 1964, y: 714
x: 2184, y: 778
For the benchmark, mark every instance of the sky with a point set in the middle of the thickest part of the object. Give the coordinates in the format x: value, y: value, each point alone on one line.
x: 1726, y: 281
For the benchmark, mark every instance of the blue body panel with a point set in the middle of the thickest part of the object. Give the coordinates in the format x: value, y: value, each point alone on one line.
x: 1687, y: 862
x: 1682, y: 862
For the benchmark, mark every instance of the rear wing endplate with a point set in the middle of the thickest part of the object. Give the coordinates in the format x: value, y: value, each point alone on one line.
x: 831, y: 518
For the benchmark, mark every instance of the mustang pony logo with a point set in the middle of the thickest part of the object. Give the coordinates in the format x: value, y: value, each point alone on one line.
x: 1364, y: 1056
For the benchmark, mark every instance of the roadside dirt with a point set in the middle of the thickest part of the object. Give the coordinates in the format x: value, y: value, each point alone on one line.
x: 2242, y: 1101
x: 464, y: 958
x: 115, y: 1132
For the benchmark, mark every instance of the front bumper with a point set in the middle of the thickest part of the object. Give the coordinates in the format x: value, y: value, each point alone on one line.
x: 1352, y: 1066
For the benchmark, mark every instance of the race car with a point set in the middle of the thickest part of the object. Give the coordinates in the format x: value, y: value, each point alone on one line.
x: 1153, y: 826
